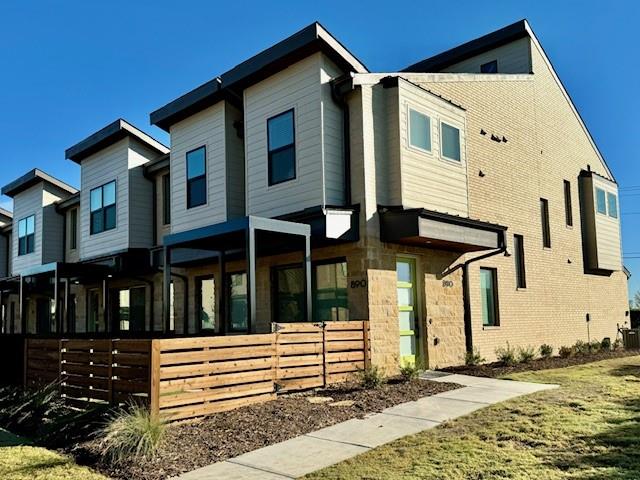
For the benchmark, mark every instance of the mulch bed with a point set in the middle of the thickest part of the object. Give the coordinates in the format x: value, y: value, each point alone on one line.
x: 225, y: 435
x: 498, y: 369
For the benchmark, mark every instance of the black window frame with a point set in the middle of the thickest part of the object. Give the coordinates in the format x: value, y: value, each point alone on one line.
x: 101, y: 212
x: 314, y: 285
x: 198, y: 178
x: 492, y: 62
x: 27, y: 246
x: 73, y: 229
x: 519, y: 260
x: 568, y: 208
x: 291, y: 146
x: 496, y: 304
x: 546, y: 227
x: 166, y: 199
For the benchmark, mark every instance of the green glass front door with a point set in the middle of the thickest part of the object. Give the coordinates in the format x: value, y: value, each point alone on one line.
x: 407, y: 309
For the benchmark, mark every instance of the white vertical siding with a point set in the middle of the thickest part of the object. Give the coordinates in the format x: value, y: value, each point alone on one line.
x: 514, y: 57
x: 205, y: 128
x: 140, y: 209
x: 297, y: 87
x: 429, y: 180
x: 332, y: 137
x: 26, y: 203
x: 234, y: 149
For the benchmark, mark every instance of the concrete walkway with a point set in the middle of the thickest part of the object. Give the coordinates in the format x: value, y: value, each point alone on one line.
x: 316, y: 450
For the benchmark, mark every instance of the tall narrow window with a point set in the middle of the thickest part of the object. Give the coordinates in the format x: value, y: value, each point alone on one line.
x: 27, y: 235
x: 489, y: 293
x: 282, y: 148
x: 93, y: 312
x: 601, y: 201
x: 518, y: 254
x: 612, y: 205
x: 567, y: 203
x: 196, y: 177
x: 73, y: 229
x: 129, y: 310
x: 450, y: 141
x: 237, y: 285
x: 419, y: 130
x: 289, y: 294
x: 166, y: 199
x: 206, y: 303
x: 103, y: 208
x: 489, y: 67
x: 330, y: 292
x: 546, y: 229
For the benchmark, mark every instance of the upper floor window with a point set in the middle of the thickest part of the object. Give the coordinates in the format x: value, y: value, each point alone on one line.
x: 489, y: 67
x: 450, y: 141
x: 612, y: 205
x: 166, y: 199
x: 281, y: 139
x: 546, y: 228
x: 27, y: 235
x: 196, y: 177
x: 601, y: 201
x: 419, y: 130
x: 103, y: 208
x: 568, y: 211
x: 73, y: 229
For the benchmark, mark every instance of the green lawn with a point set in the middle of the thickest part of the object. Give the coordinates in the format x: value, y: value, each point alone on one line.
x: 19, y: 461
x: 587, y: 429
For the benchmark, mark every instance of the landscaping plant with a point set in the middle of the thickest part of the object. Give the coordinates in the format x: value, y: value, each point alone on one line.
x: 546, y: 350
x: 594, y: 346
x: 371, y: 377
x: 526, y: 354
x: 473, y: 358
x: 506, y: 355
x: 132, y: 433
x: 565, y: 352
x: 410, y: 371
x: 581, y: 348
x: 605, y: 344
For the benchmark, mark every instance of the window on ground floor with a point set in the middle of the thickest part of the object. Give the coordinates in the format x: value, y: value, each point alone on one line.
x: 237, y: 304
x: 289, y: 294
x: 489, y: 296
x: 518, y: 255
x: 129, y: 308
x: 330, y: 301
x: 206, y: 303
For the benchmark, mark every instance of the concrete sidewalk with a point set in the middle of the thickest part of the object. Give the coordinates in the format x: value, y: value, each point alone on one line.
x: 316, y: 450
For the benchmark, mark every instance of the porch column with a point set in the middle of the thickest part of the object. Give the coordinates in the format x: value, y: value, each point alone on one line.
x: 307, y: 279
x: 3, y: 315
x: 23, y: 316
x: 67, y: 317
x: 251, y: 277
x: 56, y: 313
x: 223, y: 292
x: 105, y: 305
x: 166, y: 291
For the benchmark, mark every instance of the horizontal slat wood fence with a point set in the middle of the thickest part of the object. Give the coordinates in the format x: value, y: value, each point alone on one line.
x: 186, y: 378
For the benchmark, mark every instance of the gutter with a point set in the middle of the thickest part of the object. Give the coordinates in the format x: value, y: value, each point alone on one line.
x: 339, y: 88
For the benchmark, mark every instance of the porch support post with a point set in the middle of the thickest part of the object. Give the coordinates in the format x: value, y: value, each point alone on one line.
x: 166, y: 291
x: 307, y: 278
x: 23, y: 316
x: 223, y: 292
x: 67, y: 317
x: 105, y: 305
x: 3, y: 315
x: 251, y: 277
x: 56, y: 312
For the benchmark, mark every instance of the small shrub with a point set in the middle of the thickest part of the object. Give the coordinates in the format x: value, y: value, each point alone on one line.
x: 594, y: 346
x: 546, y: 350
x: 132, y: 433
x: 581, y: 348
x: 506, y: 355
x: 409, y: 371
x: 605, y: 344
x: 617, y: 344
x: 371, y: 377
x: 565, y: 352
x: 473, y: 358
x: 526, y: 354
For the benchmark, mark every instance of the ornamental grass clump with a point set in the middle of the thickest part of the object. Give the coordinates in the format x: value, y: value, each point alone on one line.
x: 506, y: 355
x: 566, y: 352
x: 132, y: 433
x: 526, y: 354
x: 371, y: 377
x: 409, y: 371
x: 473, y: 358
x: 546, y: 351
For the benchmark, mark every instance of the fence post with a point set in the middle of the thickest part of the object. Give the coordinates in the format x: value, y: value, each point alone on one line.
x: 26, y: 361
x: 154, y: 377
x: 60, y: 364
x: 365, y: 338
x: 110, y: 373
x: 324, y: 354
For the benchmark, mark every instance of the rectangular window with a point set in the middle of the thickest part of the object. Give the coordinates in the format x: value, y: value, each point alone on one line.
x: 601, y: 201
x: 130, y: 309
x: 450, y: 140
x: 196, y: 177
x: 546, y: 229
x: 281, y: 140
x: 289, y: 294
x: 518, y: 253
x: 27, y: 235
x: 612, y: 205
x: 237, y: 301
x: 568, y: 213
x: 206, y: 303
x: 103, y: 208
x: 489, y: 293
x: 489, y: 67
x: 419, y: 130
x: 330, y: 292
x: 166, y: 199
x: 93, y: 312
x: 73, y: 229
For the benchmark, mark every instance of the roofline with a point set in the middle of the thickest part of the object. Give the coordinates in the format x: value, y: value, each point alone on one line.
x: 393, y: 81
x: 158, y: 165
x: 69, y: 202
x: 6, y: 213
x: 309, y: 40
x: 34, y: 177
x: 108, y: 135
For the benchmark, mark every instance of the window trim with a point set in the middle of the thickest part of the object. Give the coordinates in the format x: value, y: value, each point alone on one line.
x: 568, y: 207
x: 431, y: 119
x: 496, y: 304
x: 166, y: 199
x: 489, y: 63
x: 545, y: 221
x: 615, y: 197
x: 270, y: 153
x: 442, y: 155
x: 199, y: 177
x: 27, y: 235
x: 604, y: 192
x: 519, y: 262
x: 198, y: 303
x: 314, y: 285
x: 103, y: 209
x: 73, y: 229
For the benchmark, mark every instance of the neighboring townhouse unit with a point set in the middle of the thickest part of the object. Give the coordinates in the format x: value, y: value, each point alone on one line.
x: 459, y: 204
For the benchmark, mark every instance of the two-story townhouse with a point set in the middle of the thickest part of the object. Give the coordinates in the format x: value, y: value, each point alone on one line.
x: 7, y: 295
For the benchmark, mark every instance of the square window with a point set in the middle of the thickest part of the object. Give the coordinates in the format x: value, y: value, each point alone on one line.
x: 601, y: 201
x: 450, y: 142
x: 281, y: 148
x: 419, y: 130
x: 612, y: 205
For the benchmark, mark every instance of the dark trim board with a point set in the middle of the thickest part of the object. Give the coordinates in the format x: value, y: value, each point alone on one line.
x: 32, y: 178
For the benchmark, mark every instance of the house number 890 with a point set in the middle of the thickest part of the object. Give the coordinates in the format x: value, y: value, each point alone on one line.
x: 358, y: 283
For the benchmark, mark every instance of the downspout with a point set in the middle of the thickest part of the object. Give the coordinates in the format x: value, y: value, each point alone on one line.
x: 338, y: 92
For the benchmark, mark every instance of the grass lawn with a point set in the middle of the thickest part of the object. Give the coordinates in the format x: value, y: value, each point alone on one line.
x: 19, y: 461
x: 587, y: 429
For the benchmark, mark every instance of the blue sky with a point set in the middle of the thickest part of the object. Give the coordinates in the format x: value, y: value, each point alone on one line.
x: 70, y: 67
